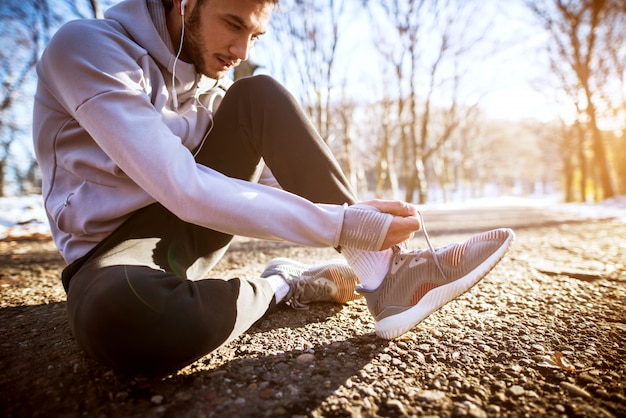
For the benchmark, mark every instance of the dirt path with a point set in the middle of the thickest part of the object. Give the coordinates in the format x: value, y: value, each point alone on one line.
x: 542, y: 335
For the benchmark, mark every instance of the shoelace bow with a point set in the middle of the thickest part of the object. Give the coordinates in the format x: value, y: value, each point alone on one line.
x: 431, y: 248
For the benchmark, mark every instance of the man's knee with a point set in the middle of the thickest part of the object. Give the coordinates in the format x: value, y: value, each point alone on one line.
x: 258, y: 86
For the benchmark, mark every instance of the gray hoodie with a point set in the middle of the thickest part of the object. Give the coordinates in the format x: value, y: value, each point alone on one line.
x: 109, y: 141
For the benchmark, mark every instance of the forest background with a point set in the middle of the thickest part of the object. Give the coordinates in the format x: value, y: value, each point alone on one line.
x: 422, y: 100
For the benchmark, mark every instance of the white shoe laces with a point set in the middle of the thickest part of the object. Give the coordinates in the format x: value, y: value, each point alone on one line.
x: 430, y: 246
x: 319, y: 291
x: 297, y: 284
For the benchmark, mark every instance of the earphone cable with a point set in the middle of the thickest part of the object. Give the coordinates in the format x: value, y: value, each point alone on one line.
x: 180, y: 49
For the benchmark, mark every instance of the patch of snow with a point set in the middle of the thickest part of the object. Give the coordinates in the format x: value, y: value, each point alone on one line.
x: 25, y: 215
x: 610, y: 208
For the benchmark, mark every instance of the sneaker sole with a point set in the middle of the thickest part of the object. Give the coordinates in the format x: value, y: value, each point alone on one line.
x: 396, y: 325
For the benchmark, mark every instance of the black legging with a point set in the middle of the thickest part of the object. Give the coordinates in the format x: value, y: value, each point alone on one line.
x: 141, y: 301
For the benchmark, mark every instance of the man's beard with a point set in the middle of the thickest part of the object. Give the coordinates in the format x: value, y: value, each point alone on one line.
x: 194, y: 46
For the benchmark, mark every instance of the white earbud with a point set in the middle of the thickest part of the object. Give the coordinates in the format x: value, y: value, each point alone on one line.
x: 183, y: 4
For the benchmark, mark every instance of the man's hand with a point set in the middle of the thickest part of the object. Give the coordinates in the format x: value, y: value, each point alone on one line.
x: 406, y: 220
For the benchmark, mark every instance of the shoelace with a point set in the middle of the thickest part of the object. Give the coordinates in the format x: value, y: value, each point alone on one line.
x: 297, y: 289
x: 430, y: 246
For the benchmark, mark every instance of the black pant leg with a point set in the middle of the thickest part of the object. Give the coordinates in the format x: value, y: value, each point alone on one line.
x: 259, y: 118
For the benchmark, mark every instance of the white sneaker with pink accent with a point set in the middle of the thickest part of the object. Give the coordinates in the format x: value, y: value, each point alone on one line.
x: 419, y: 282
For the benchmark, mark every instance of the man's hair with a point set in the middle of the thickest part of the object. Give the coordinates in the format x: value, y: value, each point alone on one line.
x: 168, y: 4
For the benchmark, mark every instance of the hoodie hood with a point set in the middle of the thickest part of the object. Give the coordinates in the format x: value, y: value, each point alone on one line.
x: 140, y: 18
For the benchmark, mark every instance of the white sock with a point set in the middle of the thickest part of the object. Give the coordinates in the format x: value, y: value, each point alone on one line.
x: 280, y: 287
x: 370, y: 267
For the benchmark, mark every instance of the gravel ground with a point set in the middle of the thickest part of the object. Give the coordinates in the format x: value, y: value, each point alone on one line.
x: 542, y: 335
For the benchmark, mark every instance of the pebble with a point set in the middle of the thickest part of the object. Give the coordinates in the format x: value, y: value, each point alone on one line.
x: 516, y: 391
x: 183, y: 396
x: 397, y: 405
x: 493, y: 409
x: 468, y: 409
x: 500, y: 397
x: 574, y: 390
x: 431, y: 395
x: 538, y: 347
x: 305, y: 358
x: 532, y: 394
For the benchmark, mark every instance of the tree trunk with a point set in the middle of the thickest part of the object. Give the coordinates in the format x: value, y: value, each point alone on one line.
x: 601, y: 162
x: 579, y: 136
x: 2, y: 167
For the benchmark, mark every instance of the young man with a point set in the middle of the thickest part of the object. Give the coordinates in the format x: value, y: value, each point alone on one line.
x: 146, y: 182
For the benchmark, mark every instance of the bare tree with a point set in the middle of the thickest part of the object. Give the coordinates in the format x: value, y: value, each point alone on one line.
x: 21, y: 26
x: 344, y: 129
x: 579, y: 30
x: 385, y: 173
x: 27, y: 26
x: 396, y: 33
x: 615, y: 44
x: 311, y: 31
x: 426, y: 44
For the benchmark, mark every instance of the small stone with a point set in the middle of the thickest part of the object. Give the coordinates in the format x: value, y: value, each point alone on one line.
x: 532, y: 394
x: 574, y: 390
x: 459, y: 410
x: 431, y: 395
x: 538, y: 347
x: 397, y: 405
x: 183, y: 396
x: 266, y: 394
x: 493, y: 409
x: 385, y: 358
x: 476, y: 411
x: 157, y: 399
x: 516, y: 391
x: 305, y: 358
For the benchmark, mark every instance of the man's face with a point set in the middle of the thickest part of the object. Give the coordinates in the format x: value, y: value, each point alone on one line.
x: 220, y: 33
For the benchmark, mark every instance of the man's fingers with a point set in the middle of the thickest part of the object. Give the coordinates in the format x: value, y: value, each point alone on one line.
x: 393, y: 207
x: 401, y: 229
x: 406, y: 220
